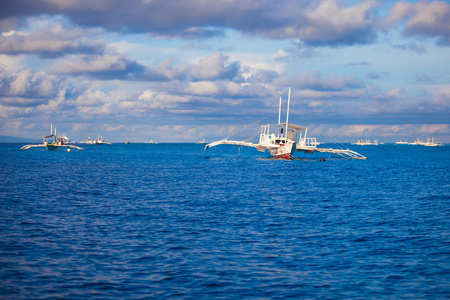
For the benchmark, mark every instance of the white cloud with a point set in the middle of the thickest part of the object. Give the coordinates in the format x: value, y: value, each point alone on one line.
x: 395, y: 92
x: 157, y: 100
x: 53, y: 40
x: 54, y: 105
x: 113, y: 128
x: 328, y: 22
x: 424, y: 18
x: 98, y: 102
x: 27, y: 87
x: 338, y: 18
x: 171, y: 71
x: 12, y: 64
x: 315, y: 104
x: 359, y: 130
x: 434, y: 128
x: 202, y: 88
x: 209, y: 67
x: 215, y: 67
x: 91, y: 64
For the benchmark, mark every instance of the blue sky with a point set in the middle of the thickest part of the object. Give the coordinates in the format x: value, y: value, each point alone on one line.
x: 180, y: 71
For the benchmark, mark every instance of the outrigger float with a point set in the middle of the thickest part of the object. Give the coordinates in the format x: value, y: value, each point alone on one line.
x: 282, y: 140
x: 53, y: 142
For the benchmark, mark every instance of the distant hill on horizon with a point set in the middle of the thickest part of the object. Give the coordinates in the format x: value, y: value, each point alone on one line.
x: 13, y: 139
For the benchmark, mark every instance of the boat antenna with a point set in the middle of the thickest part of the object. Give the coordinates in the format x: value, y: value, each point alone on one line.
x: 287, y: 115
x: 279, y: 117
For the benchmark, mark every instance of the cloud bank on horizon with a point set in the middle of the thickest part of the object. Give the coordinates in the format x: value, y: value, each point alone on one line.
x: 173, y: 70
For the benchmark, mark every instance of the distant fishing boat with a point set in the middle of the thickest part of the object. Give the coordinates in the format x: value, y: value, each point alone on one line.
x: 100, y: 141
x: 282, y: 140
x: 401, y: 142
x: 366, y: 143
x: 429, y: 143
x: 417, y: 142
x: 89, y: 141
x: 432, y: 143
x: 53, y: 142
x: 151, y: 142
x: 202, y: 141
x: 127, y: 142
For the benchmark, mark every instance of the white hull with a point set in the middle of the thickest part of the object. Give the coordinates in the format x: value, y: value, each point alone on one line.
x: 285, y: 151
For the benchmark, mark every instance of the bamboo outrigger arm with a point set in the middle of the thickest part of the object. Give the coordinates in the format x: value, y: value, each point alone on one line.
x: 342, y: 152
x: 227, y: 142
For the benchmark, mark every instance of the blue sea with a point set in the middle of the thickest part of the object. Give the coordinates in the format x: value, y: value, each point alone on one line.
x: 172, y: 221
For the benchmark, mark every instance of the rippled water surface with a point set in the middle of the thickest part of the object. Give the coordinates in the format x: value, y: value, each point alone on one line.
x: 170, y: 221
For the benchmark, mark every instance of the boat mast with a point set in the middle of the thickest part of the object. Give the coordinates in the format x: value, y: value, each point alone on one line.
x: 279, y: 117
x: 287, y: 116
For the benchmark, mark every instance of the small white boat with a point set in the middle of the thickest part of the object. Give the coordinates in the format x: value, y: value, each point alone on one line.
x: 100, y: 141
x: 432, y: 143
x: 127, y: 142
x: 89, y: 141
x: 417, y: 142
x: 366, y: 143
x: 151, y: 142
x: 282, y: 140
x: 202, y: 141
x: 53, y: 142
x: 401, y: 142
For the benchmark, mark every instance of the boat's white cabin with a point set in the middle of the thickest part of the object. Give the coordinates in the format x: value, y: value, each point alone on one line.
x: 279, y: 134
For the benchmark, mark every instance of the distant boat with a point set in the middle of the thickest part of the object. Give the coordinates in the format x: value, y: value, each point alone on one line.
x: 429, y: 143
x: 151, y: 142
x: 127, y: 142
x: 283, y: 139
x: 202, y: 141
x: 365, y: 143
x: 53, y: 142
x: 417, y: 142
x: 432, y: 143
x: 100, y: 141
x: 401, y: 142
x: 89, y: 141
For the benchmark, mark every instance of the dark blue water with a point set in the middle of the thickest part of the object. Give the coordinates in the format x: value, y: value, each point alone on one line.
x: 170, y: 221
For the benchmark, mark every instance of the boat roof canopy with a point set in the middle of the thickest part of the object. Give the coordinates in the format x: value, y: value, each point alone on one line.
x: 293, y: 126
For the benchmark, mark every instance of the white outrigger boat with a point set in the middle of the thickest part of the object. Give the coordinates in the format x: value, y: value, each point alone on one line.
x: 282, y: 140
x: 100, y: 141
x: 53, y: 142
